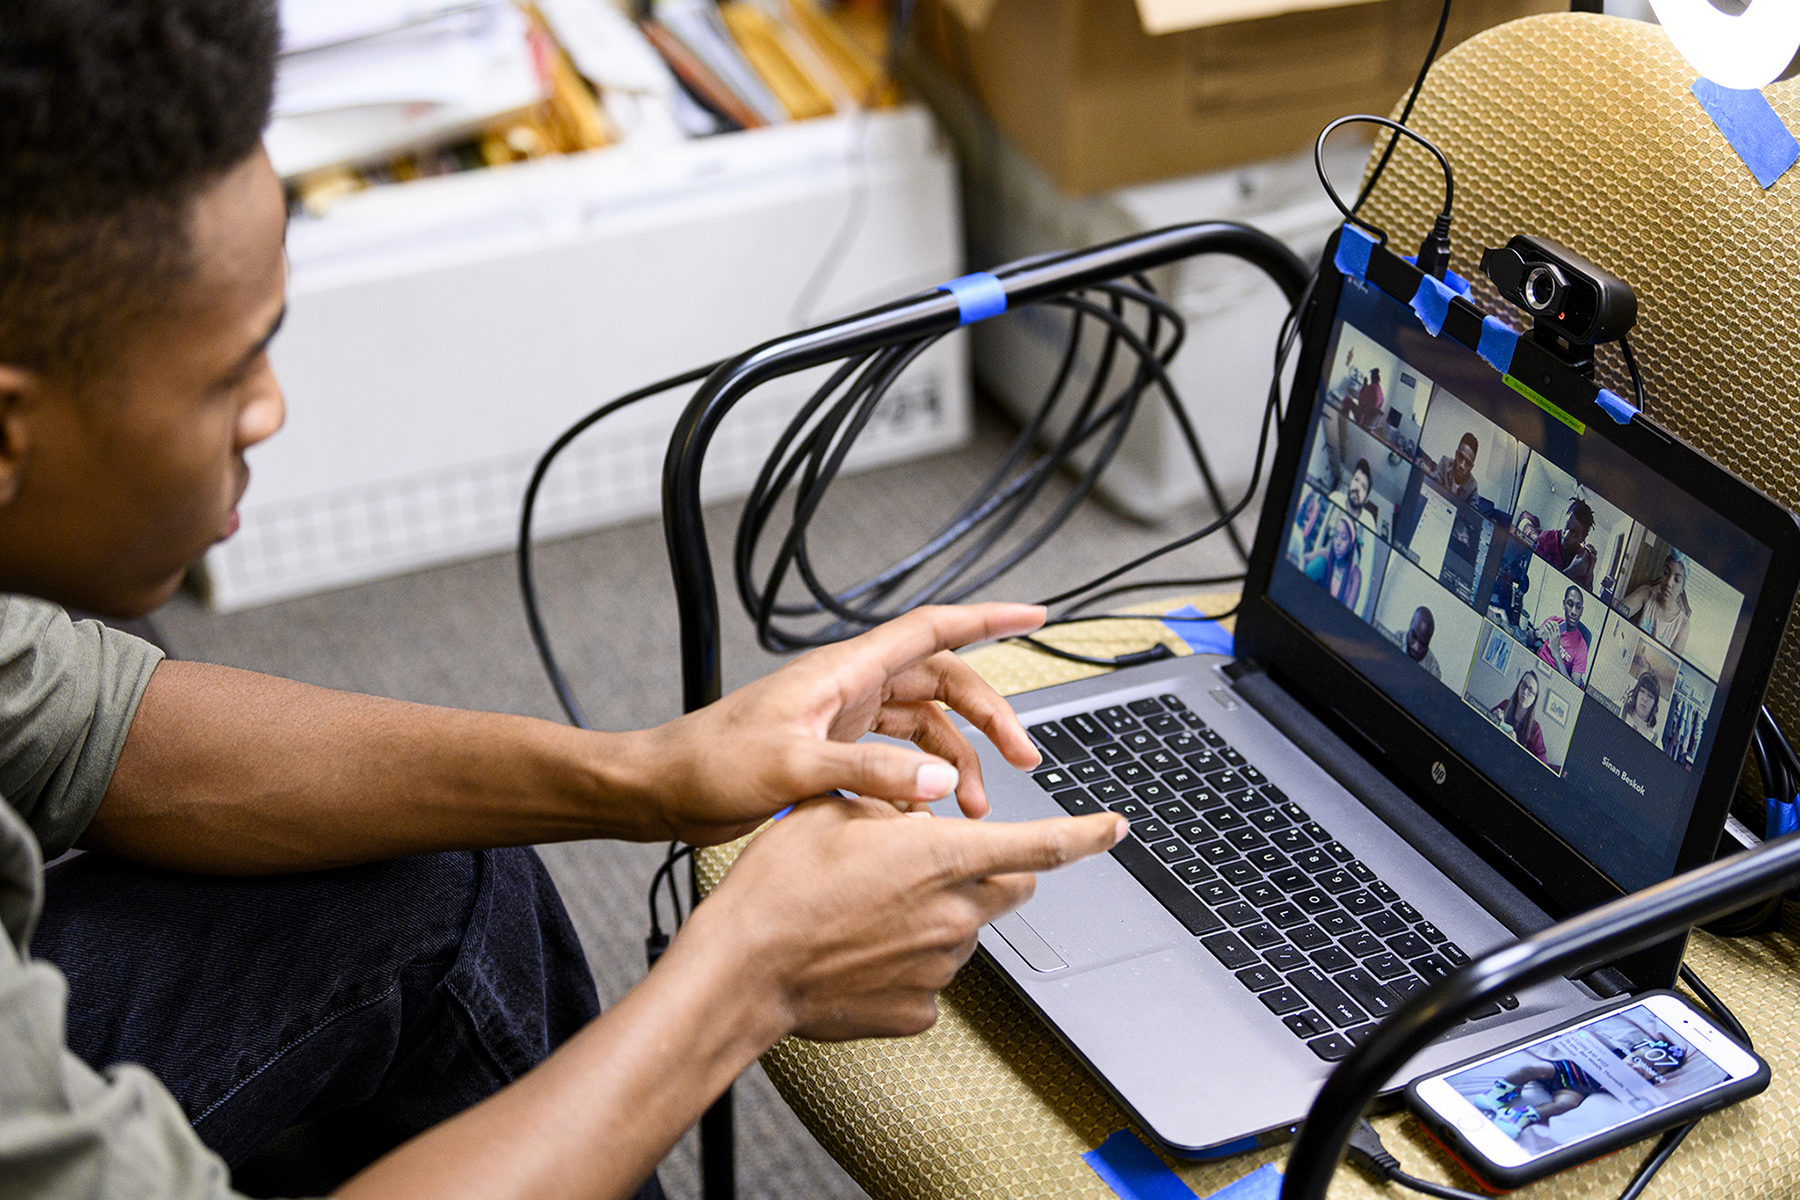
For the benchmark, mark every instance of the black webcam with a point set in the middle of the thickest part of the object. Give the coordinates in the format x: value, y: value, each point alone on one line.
x: 1568, y: 297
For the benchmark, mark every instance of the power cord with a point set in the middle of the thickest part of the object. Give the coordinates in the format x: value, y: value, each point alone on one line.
x: 1366, y: 1149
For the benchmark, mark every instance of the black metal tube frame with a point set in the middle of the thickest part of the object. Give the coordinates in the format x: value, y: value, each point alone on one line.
x: 927, y: 315
x: 1570, y: 947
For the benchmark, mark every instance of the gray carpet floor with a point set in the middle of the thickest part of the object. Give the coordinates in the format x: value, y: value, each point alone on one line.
x: 456, y: 635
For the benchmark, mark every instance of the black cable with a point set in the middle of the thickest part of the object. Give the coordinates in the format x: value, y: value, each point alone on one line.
x: 1637, y: 379
x: 1400, y: 130
x: 1367, y: 1151
x: 1412, y: 97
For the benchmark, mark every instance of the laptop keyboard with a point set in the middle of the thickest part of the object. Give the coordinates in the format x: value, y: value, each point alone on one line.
x: 1325, y: 944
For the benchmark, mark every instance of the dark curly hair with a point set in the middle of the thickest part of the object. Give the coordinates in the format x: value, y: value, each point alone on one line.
x: 114, y: 115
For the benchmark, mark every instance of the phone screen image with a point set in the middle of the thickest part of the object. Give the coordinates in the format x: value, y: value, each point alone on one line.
x: 1587, y: 1080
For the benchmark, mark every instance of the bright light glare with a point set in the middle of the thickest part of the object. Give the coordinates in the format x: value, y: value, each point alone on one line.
x: 1746, y: 51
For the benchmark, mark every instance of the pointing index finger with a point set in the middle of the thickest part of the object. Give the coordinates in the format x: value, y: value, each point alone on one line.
x: 981, y: 849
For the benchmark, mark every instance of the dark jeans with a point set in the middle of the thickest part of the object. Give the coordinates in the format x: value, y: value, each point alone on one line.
x: 382, y: 998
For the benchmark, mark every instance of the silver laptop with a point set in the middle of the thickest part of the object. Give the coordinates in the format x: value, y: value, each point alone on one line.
x: 1497, y: 661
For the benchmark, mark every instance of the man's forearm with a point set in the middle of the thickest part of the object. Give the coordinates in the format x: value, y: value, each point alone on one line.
x: 228, y: 771
x: 595, y: 1118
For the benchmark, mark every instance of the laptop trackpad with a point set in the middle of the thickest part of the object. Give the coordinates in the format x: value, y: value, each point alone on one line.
x: 1085, y: 915
x: 1030, y: 946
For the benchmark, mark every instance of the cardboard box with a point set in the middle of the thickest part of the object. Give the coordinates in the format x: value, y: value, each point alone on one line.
x: 1106, y: 93
x: 441, y: 333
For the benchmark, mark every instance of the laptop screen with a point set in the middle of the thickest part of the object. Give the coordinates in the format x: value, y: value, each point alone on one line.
x: 1543, y: 602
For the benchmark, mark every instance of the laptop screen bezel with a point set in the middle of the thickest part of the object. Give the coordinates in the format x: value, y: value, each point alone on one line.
x: 1561, y: 879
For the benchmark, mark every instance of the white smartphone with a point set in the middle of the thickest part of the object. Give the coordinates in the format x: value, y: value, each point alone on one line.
x: 1640, y: 1065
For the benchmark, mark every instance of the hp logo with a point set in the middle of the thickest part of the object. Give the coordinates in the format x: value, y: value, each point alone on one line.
x: 1437, y: 772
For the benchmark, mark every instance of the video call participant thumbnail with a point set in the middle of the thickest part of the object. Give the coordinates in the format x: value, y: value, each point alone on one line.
x: 1533, y: 705
x: 1426, y: 624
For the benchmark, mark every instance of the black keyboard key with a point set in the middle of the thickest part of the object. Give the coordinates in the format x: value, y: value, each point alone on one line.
x: 1229, y: 949
x: 1108, y: 790
x: 1285, y: 915
x: 1283, y: 999
x: 1255, y: 777
x: 1338, y: 851
x: 1409, y: 945
x: 1408, y: 913
x: 1154, y: 792
x: 1191, y: 720
x: 1306, y: 1024
x: 1165, y: 725
x: 1429, y: 932
x: 1327, y: 997
x: 1314, y: 902
x: 1222, y: 780
x: 1211, y: 737
x: 1169, y: 891
x: 1181, y: 779
x: 1216, y: 892
x: 1183, y: 743
x: 1131, y: 809
x: 1295, y: 813
x: 1363, y: 988
x: 1332, y: 1047
x: 1054, y: 779
x: 1384, y: 923
x: 1239, y: 873
x: 1087, y: 731
x: 1193, y: 872
x: 1248, y: 839
x: 1360, y: 1034
x: 1149, y: 706
x: 1361, y: 943
x: 1263, y: 937
x: 1336, y: 881
x: 1292, y: 840
x: 1339, y: 923
x: 1359, y: 902
x: 1159, y: 760
x: 1291, y: 879
x: 1195, y: 832
x: 1405, y: 986
x: 1274, y: 793
x: 1480, y: 1011
x: 1223, y: 819
x: 1173, y: 811
x: 1333, y: 959
x: 1259, y: 978
x: 1262, y: 894
x: 1173, y: 703
x: 1116, y: 719
x: 1129, y: 773
x: 1249, y: 802
x: 1309, y: 937
x: 1284, y: 958
x: 1509, y: 1002
x: 1319, y: 832
x: 1217, y: 853
x: 1386, y: 967
x: 1239, y: 914
x: 1269, y: 820
x: 1140, y: 741
x: 1076, y: 802
x: 1151, y: 830
x: 1267, y: 858
x: 1231, y: 756
x: 1055, y: 742
x: 1384, y: 893
x: 1360, y: 871
x: 1172, y: 851
x: 1203, y: 761
x: 1454, y: 953
x: 1112, y: 753
x: 1313, y: 860
x: 1087, y: 770
x: 1432, y: 967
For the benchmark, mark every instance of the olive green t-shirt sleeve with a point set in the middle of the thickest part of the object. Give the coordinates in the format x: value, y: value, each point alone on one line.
x: 68, y: 692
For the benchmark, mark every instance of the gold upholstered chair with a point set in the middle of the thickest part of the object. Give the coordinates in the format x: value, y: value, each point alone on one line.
x: 1576, y: 127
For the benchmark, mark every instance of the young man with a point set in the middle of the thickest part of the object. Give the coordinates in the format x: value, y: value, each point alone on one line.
x: 287, y: 912
x: 1567, y: 548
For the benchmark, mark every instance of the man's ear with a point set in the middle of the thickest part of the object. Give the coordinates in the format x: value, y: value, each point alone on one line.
x: 19, y: 395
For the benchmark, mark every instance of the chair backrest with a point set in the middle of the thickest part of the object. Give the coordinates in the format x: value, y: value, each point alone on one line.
x: 1582, y: 128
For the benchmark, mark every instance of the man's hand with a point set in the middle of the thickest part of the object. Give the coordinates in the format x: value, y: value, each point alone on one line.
x: 857, y: 916
x: 723, y: 770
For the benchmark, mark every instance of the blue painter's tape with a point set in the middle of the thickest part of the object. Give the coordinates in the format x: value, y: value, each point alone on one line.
x: 1202, y: 634
x: 1432, y: 303
x: 1264, y: 1183
x: 1497, y: 344
x: 1133, y: 1172
x: 784, y: 812
x: 978, y: 296
x: 1457, y: 283
x: 1752, y: 127
x: 1616, y: 406
x: 1354, y: 247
